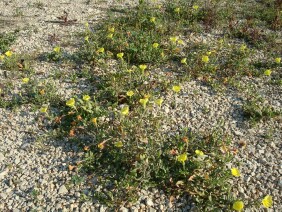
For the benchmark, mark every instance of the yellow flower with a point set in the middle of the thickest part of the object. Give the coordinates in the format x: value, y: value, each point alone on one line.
x: 142, y: 67
x: 57, y: 49
x: 101, y: 145
x: 195, y: 7
x: 2, y: 57
x: 183, y: 61
x: 101, y: 50
x: 86, y: 24
x: 86, y: 38
x: 243, y: 47
x: 209, y: 53
x: 125, y: 110
x: 144, y: 102
x: 42, y: 91
x: 70, y: 102
x: 130, y: 93
x: 159, y: 101
x: 235, y: 172
x: 176, y: 88
x: 43, y: 109
x: 181, y: 42
x: 120, y: 55
x: 118, y: 144
x: 267, y: 201
x: 205, y: 59
x: 25, y: 80
x: 267, y: 72
x: 173, y: 39
x: 94, y: 121
x: 111, y: 29
x: 199, y: 153
x: 177, y: 10
x: 278, y: 60
x: 129, y: 70
x: 86, y: 98
x: 8, y: 53
x: 238, y: 205
x: 181, y: 158
x: 153, y: 19
x: 155, y: 45
x: 110, y: 36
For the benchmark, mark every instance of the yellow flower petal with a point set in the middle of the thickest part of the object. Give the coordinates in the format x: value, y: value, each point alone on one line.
x: 9, y: 53
x: 173, y: 39
x: 278, y: 60
x: 110, y: 36
x: 25, y: 80
x: 101, y: 50
x: 238, y: 205
x: 235, y: 172
x: 183, y: 61
x: 155, y: 45
x: 181, y: 42
x: 125, y: 110
x: 94, y: 121
x: 130, y: 93
x: 195, y: 7
x: 267, y: 72
x: 86, y: 97
x: 182, y: 158
x: 70, y: 102
x: 57, y: 49
x: 199, y: 153
x: 144, y: 102
x: 267, y: 201
x: 159, y: 101
x: 176, y: 88
x: 142, y: 67
x: 153, y: 19
x: 111, y: 29
x: 243, y: 47
x: 205, y: 59
x: 43, y: 109
x: 120, y: 55
x: 177, y: 10
x: 118, y: 144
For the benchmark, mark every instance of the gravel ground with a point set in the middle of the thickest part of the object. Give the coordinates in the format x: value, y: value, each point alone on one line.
x: 34, y: 172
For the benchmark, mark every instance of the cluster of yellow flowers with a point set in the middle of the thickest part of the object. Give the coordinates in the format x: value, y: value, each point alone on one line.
x: 7, y: 54
x: 239, y: 205
x: 267, y: 202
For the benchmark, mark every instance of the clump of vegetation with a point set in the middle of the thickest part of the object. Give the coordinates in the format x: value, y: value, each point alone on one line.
x: 133, y: 145
x: 255, y: 111
x: 6, y: 40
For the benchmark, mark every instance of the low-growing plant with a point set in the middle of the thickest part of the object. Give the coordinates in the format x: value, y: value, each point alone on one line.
x: 6, y: 40
x: 131, y: 143
x: 255, y: 111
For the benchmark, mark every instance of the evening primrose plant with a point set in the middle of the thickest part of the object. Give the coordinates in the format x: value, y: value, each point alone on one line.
x: 129, y: 140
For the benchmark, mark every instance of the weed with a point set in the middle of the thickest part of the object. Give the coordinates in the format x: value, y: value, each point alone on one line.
x: 255, y: 111
x: 6, y: 40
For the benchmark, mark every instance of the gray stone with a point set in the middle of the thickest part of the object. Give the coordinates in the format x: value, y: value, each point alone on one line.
x: 2, y: 157
x: 152, y: 209
x: 149, y: 202
x: 123, y: 209
x: 63, y: 190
